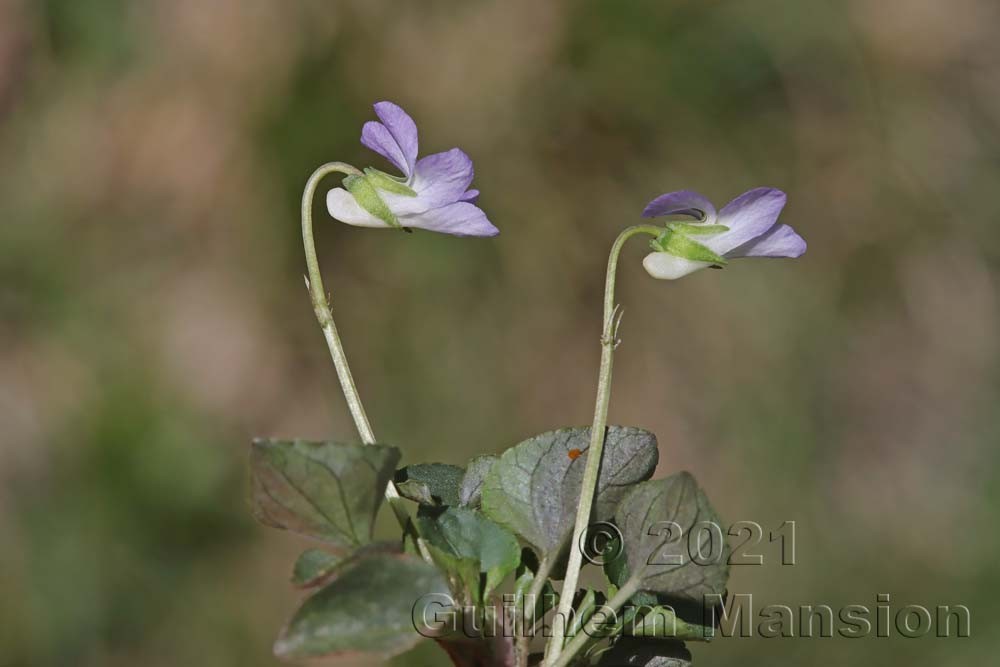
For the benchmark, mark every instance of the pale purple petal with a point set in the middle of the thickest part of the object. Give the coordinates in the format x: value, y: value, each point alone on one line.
x: 438, y: 180
x: 682, y: 202
x: 443, y: 178
x: 375, y: 136
x: 459, y: 219
x: 471, y: 196
x: 344, y: 207
x: 780, y: 241
x: 402, y: 129
x: 749, y: 216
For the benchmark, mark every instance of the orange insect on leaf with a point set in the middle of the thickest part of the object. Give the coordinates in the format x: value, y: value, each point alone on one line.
x: 574, y: 454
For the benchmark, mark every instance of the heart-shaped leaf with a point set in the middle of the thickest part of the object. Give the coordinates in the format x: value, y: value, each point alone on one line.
x: 326, y: 490
x: 535, y: 486
x: 467, y: 543
x: 470, y: 494
x: 673, y: 539
x: 372, y: 609
x: 645, y: 653
x: 432, y: 484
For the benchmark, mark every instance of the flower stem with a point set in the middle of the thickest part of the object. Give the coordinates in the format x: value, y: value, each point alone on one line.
x: 324, y: 316
x: 532, y: 597
x: 596, y: 448
x: 581, y: 639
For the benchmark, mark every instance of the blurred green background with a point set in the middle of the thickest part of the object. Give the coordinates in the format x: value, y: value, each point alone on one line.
x: 152, y: 156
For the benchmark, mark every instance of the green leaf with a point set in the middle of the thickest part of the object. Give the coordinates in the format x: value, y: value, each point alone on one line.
x: 535, y: 486
x: 368, y: 610
x: 314, y: 565
x: 433, y: 484
x: 460, y: 538
x: 662, y: 622
x: 673, y: 539
x: 368, y: 197
x: 470, y: 493
x: 326, y: 490
x: 644, y: 653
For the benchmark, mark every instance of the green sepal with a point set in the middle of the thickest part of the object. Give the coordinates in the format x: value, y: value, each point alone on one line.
x: 698, y: 230
x: 389, y: 183
x: 367, y: 196
x: 683, y: 246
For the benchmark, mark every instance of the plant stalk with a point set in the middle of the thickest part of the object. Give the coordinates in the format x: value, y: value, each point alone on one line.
x: 324, y: 316
x: 596, y: 448
x: 524, y: 634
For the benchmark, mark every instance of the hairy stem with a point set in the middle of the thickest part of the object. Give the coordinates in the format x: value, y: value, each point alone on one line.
x: 324, y: 316
x: 596, y: 448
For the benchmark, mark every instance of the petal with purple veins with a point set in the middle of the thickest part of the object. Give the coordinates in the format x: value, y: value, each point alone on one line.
x: 375, y: 136
x: 458, y: 219
x: 682, y: 202
x: 749, y: 216
x: 438, y: 180
x: 780, y: 241
x: 395, y: 138
x: 402, y: 128
x: 443, y: 178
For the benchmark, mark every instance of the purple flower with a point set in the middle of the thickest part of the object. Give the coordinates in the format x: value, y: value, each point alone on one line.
x: 433, y: 192
x: 746, y: 227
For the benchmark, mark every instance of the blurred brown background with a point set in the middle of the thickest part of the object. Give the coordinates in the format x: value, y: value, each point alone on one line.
x: 152, y: 155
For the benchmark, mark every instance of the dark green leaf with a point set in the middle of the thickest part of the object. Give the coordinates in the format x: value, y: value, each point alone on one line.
x: 661, y: 622
x: 314, y: 565
x: 371, y: 609
x: 535, y: 486
x: 431, y: 484
x: 470, y: 493
x: 330, y: 491
x: 645, y: 653
x: 673, y: 539
x: 460, y: 538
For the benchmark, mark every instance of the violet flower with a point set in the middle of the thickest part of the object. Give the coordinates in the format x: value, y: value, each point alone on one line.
x: 432, y: 194
x: 746, y: 227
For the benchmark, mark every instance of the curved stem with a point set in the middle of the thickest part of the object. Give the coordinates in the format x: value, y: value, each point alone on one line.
x: 324, y: 316
x: 596, y: 448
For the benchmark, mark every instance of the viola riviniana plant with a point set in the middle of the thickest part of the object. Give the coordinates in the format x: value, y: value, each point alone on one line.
x: 475, y: 568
